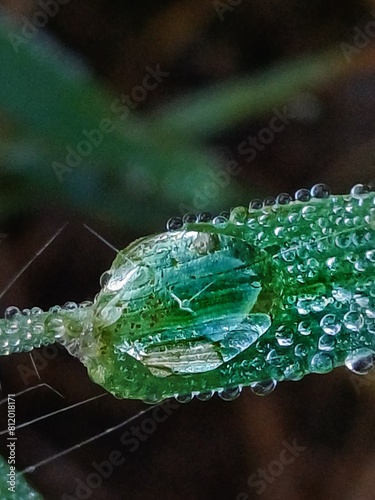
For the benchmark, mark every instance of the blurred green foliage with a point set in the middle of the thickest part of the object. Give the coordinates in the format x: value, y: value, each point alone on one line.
x: 145, y: 169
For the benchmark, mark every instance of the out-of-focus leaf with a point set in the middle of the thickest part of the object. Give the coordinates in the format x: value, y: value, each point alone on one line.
x: 210, y: 111
x: 53, y: 101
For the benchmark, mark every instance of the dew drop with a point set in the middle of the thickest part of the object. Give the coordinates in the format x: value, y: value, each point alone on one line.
x: 330, y: 325
x: 205, y: 396
x: 360, y: 191
x: 238, y: 215
x: 255, y: 204
x: 184, y: 398
x: 321, y: 363
x: 360, y: 361
x: 269, y: 202
x: 219, y: 220
x: 353, y: 321
x: 304, y: 327
x: 104, y: 279
x: 229, y: 394
x: 174, y: 224
x: 189, y: 218
x: 70, y: 306
x: 320, y: 191
x: 283, y: 199
x: 204, y: 217
x: 284, y: 336
x: 303, y: 195
x: 263, y: 388
x: 327, y: 343
x: 11, y: 311
x: 152, y: 399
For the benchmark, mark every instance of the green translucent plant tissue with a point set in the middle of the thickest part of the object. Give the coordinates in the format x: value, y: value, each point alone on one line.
x: 263, y: 294
x: 13, y: 485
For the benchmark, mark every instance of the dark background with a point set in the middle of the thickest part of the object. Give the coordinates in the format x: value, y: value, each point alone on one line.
x: 203, y: 450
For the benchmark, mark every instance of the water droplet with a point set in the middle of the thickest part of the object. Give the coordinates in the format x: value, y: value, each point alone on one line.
x: 303, y: 195
x: 330, y: 324
x: 204, y: 217
x: 225, y: 214
x: 35, y: 311
x: 274, y: 358
x: 360, y: 191
x: 354, y: 321
x: 230, y: 394
x: 189, y: 218
x: 256, y: 204
x: 341, y: 295
x: 70, y: 306
x: 293, y: 372
x: 184, y: 398
x: 360, y: 361
x: 327, y: 343
x: 152, y: 399
x: 104, y: 279
x: 174, y: 224
x: 205, y: 396
x: 284, y: 336
x: 320, y: 191
x: 321, y: 363
x: 300, y: 350
x: 269, y: 202
x: 283, y: 199
x: 11, y: 311
x: 219, y: 220
x: 263, y: 388
x: 238, y: 215
x: 304, y: 327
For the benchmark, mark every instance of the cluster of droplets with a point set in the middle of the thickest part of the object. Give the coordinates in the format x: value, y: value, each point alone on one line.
x: 22, y: 489
x: 263, y: 388
x: 177, y: 223
x: 326, y: 243
x: 23, y: 330
x: 320, y: 243
x: 318, y: 191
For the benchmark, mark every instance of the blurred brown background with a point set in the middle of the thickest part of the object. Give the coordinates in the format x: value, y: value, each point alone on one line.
x: 208, y: 450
